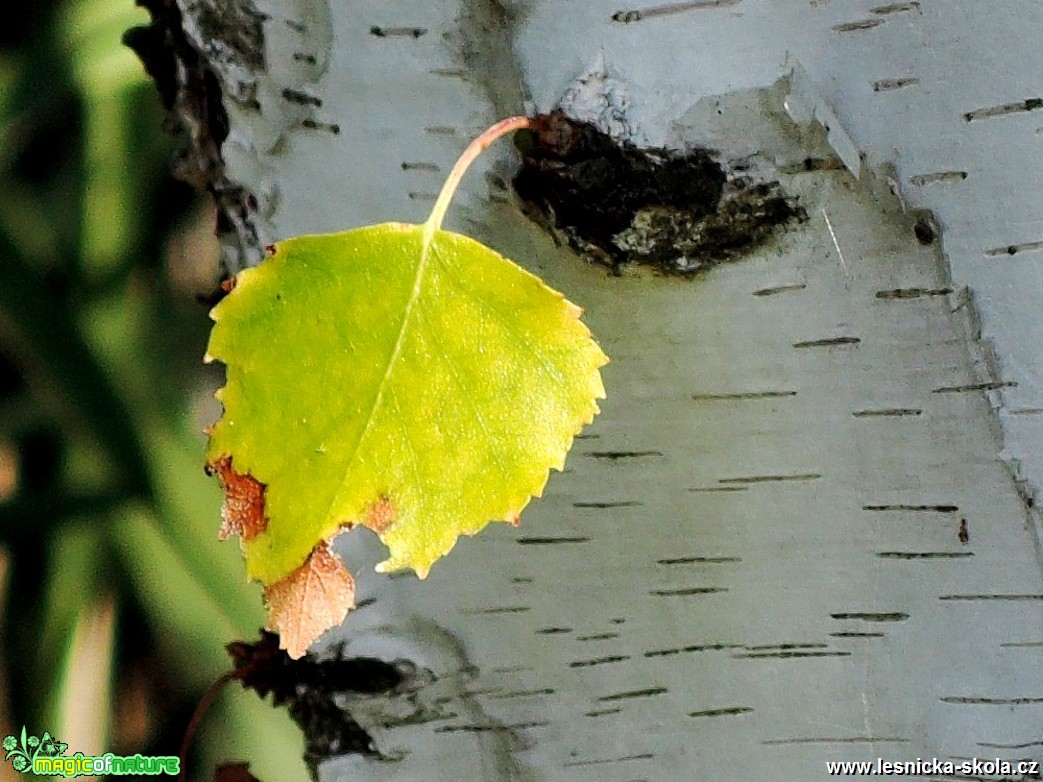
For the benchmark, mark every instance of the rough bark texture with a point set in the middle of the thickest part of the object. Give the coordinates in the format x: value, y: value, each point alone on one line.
x: 795, y: 534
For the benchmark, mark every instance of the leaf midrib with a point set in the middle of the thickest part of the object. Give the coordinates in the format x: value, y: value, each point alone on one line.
x: 378, y: 399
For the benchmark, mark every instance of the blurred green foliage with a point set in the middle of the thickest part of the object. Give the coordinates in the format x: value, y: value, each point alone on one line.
x: 117, y: 591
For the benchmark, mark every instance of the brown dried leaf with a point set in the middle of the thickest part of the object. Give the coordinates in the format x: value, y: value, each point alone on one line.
x: 243, y: 510
x: 309, y: 601
x: 380, y: 515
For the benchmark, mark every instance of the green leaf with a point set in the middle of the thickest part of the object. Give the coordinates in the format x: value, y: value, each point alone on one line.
x: 370, y: 381
x: 397, y: 376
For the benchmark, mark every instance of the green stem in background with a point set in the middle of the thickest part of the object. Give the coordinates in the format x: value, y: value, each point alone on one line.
x: 474, y: 149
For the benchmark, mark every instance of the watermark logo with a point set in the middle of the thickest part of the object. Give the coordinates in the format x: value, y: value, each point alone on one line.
x: 46, y: 756
x: 23, y: 754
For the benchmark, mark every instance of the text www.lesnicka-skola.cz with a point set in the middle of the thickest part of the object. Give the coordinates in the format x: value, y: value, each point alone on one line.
x: 973, y: 767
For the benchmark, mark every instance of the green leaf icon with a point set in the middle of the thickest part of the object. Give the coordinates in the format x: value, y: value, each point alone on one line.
x: 397, y: 376
x: 19, y: 753
x: 50, y: 746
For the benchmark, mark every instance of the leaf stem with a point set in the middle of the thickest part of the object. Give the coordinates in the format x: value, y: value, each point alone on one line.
x: 474, y: 149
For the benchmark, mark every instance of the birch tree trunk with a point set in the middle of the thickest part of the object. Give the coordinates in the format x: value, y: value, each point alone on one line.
x: 802, y: 529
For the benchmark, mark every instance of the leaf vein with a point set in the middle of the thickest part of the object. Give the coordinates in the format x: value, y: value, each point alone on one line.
x: 396, y: 351
x: 474, y: 407
x: 519, y: 336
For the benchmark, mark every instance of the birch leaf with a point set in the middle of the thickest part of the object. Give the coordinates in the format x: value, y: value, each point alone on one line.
x: 400, y: 377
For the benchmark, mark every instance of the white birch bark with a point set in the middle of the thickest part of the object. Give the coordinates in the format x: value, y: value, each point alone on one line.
x: 752, y: 564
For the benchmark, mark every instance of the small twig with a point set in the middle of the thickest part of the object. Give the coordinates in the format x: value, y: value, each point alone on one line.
x: 197, y: 717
